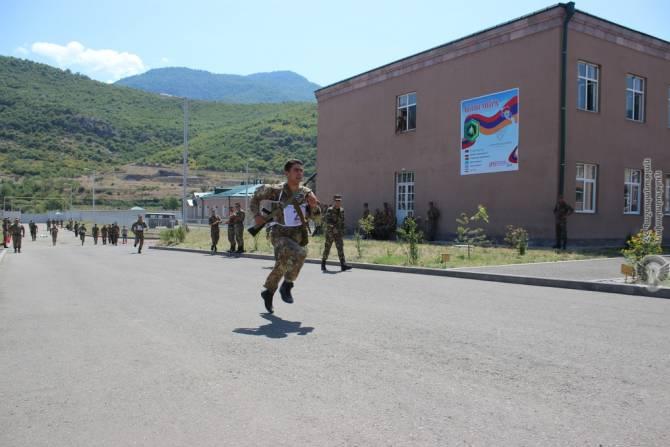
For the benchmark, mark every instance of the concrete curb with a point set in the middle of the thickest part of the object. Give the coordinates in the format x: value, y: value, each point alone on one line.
x: 625, y: 289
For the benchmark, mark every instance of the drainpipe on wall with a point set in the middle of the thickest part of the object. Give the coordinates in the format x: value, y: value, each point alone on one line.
x: 569, y: 12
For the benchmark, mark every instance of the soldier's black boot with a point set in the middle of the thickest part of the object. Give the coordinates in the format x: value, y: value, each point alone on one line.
x: 323, y: 266
x: 267, y: 299
x: 285, y: 292
x: 344, y: 267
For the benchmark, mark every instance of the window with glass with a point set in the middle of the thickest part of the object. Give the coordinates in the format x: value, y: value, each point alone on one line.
x: 631, y: 191
x: 585, y: 199
x: 587, y: 86
x: 635, y: 98
x: 406, y: 112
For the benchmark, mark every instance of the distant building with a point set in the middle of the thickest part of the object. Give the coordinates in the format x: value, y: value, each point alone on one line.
x: 479, y: 121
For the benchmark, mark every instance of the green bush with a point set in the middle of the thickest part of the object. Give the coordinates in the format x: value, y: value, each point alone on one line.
x: 412, y: 236
x: 173, y: 236
x: 517, y: 237
x: 640, y: 245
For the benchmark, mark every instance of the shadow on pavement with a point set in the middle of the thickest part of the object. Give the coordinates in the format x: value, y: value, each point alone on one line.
x: 277, y: 328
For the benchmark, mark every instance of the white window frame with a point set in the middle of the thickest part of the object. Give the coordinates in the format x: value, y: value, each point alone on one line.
x: 588, y: 80
x: 632, y: 189
x: 584, y: 181
x: 399, y: 108
x: 636, y: 92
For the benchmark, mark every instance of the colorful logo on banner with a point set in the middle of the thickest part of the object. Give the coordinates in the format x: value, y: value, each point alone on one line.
x: 490, y: 133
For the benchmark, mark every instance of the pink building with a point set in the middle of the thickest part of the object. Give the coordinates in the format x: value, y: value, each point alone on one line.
x: 480, y: 121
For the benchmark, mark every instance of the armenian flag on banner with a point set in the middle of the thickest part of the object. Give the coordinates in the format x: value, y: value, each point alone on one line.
x: 490, y: 133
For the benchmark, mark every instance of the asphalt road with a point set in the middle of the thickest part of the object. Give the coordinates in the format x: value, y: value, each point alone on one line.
x: 103, y: 347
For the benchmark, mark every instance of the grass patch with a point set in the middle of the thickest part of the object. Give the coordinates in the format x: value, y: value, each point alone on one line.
x: 396, y: 253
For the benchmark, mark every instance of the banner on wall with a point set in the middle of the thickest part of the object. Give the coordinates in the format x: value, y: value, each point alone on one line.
x: 490, y: 133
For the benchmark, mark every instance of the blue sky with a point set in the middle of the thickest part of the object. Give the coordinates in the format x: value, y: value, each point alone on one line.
x: 324, y: 41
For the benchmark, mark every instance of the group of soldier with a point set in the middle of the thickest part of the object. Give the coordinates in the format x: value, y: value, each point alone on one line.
x: 235, y: 223
x: 384, y: 222
x: 16, y: 232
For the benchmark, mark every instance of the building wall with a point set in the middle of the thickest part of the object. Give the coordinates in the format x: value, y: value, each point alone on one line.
x: 359, y: 151
x: 607, y: 138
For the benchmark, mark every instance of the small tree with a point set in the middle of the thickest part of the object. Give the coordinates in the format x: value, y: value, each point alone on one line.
x: 517, y: 237
x: 410, y: 233
x: 364, y: 229
x: 467, y: 233
x: 642, y: 244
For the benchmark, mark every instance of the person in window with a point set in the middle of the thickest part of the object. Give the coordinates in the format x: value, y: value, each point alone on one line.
x: 401, y: 123
x: 561, y: 212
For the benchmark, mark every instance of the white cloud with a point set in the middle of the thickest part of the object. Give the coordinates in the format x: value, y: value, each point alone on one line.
x: 22, y: 51
x: 165, y: 60
x: 95, y: 63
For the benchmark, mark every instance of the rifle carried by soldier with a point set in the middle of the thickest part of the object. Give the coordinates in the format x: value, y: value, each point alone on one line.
x: 273, y: 214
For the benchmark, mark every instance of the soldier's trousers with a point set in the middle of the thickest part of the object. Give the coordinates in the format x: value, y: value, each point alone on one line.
x: 33, y: 235
x: 239, y: 237
x: 215, y: 238
x: 330, y: 238
x: 231, y: 237
x: 104, y: 240
x: 140, y: 240
x: 561, y: 235
x: 95, y: 240
x: 53, y: 239
x: 289, y: 257
x: 83, y: 238
x: 16, y: 240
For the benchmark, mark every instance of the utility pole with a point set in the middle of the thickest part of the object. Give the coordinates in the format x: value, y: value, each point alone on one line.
x: 185, y: 164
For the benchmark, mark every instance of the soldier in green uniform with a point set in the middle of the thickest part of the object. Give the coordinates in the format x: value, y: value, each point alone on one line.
x: 33, y: 230
x: 214, y: 230
x: 239, y: 228
x: 54, y: 235
x: 334, y: 219
x: 96, y: 232
x: 561, y: 212
x: 292, y: 204
x: 138, y: 229
x: 18, y: 232
x: 76, y: 229
x: 116, y: 232
x: 232, y: 218
x: 432, y: 217
x: 82, y: 233
x: 103, y: 234
x: 5, y: 231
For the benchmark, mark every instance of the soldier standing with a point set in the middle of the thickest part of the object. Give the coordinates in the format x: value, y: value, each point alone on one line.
x: 116, y: 231
x: 18, y: 232
x: 334, y: 219
x: 82, y: 233
x: 239, y: 228
x: 103, y: 233
x: 48, y: 224
x: 214, y: 230
x: 124, y: 235
x: 96, y: 232
x: 432, y: 217
x: 138, y: 229
x: 33, y: 230
x: 76, y: 229
x: 232, y: 218
x: 5, y: 231
x: 561, y: 212
x: 54, y: 235
x: 389, y: 222
x: 293, y: 204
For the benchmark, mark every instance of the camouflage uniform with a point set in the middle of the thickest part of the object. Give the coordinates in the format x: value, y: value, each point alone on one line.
x: 239, y: 230
x: 232, y: 221
x: 33, y: 230
x: 82, y: 234
x: 561, y: 212
x: 138, y: 229
x: 214, y: 231
x: 54, y: 234
x: 96, y: 233
x: 432, y: 218
x: 17, y: 231
x: 288, y: 238
x: 334, y: 219
x: 5, y: 231
x: 103, y: 233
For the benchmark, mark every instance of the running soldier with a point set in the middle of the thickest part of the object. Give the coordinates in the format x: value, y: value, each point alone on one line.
x: 82, y: 233
x: 239, y: 228
x: 214, y: 230
x: 54, y: 235
x: 292, y: 205
x: 18, y: 232
x: 138, y: 229
x: 96, y: 232
x: 33, y: 230
x: 334, y: 219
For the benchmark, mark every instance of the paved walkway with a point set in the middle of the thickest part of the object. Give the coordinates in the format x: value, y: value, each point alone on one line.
x: 583, y: 270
